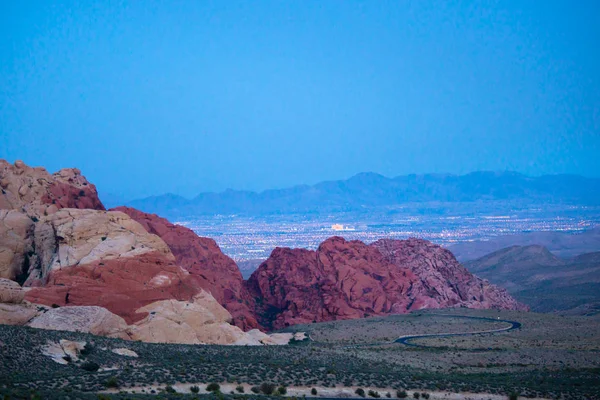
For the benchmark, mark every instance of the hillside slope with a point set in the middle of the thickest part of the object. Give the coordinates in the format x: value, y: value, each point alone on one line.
x: 547, y: 283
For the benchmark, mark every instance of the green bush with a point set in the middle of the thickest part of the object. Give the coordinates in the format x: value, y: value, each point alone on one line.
x: 112, y: 382
x: 401, y: 394
x: 267, y: 388
x: 213, y: 387
x: 239, y: 389
x: 194, y: 389
x: 425, y: 395
x: 313, y: 391
x: 513, y: 396
x: 87, y: 349
x: 416, y: 395
x: 255, y: 389
x: 90, y: 366
x: 373, y: 393
x: 281, y: 390
x: 169, y: 389
x: 360, y: 392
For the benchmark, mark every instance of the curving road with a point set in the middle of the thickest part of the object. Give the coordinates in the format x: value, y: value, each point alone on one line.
x: 405, y: 340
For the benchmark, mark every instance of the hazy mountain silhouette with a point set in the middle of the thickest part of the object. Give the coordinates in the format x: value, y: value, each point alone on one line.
x: 371, y: 190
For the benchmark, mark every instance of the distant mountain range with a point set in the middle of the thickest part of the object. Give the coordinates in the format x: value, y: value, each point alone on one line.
x: 545, y: 282
x: 371, y: 190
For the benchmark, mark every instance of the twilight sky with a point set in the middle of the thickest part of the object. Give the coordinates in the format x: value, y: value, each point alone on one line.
x: 148, y: 97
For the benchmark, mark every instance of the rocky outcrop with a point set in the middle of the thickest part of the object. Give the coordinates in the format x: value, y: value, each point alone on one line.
x: 88, y: 319
x: 443, y: 281
x: 16, y: 244
x: 125, y: 352
x: 349, y: 279
x: 63, y: 352
x: 99, y: 258
x: 11, y: 292
x: 13, y: 311
x: 199, y: 321
x: 72, y: 237
x: 203, y: 259
x: 37, y: 192
x: 104, y: 273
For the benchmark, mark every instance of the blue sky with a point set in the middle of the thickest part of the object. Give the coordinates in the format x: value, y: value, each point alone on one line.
x: 186, y: 96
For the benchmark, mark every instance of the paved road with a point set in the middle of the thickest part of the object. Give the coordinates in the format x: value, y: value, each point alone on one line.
x: 405, y: 340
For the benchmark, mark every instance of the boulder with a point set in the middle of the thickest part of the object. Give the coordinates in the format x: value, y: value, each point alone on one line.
x: 86, y: 319
x: 201, y: 320
x: 11, y: 292
x: 17, y: 314
x: 125, y: 352
x: 63, y: 352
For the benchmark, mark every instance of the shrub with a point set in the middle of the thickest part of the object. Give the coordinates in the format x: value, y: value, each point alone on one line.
x: 169, y: 389
x: 112, y: 382
x: 267, y: 388
x: 281, y: 390
x: 90, y: 366
x: 513, y: 396
x: 401, y: 394
x: 425, y: 395
x: 388, y: 395
x: 360, y: 392
x: 67, y: 358
x: 416, y: 395
x: 373, y: 393
x: 213, y: 387
x: 313, y: 391
x: 255, y: 389
x: 194, y: 389
x: 87, y: 349
x: 240, y: 389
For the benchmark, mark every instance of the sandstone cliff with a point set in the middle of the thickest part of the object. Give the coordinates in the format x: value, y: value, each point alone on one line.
x: 37, y: 192
x: 212, y: 270
x: 349, y: 279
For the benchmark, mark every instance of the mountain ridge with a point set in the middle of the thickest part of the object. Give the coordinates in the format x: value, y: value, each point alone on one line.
x: 372, y: 190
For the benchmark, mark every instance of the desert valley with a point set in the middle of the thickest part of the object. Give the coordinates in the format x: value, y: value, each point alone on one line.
x: 119, y: 303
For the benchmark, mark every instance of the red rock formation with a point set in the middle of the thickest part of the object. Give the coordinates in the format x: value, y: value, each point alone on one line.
x: 349, y: 279
x: 443, y: 281
x: 202, y: 257
x: 37, y: 192
x: 120, y: 285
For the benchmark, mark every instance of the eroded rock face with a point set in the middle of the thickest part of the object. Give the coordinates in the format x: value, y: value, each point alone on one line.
x: 16, y: 244
x: 71, y: 237
x: 349, y: 279
x: 99, y: 258
x: 201, y: 320
x: 11, y: 292
x: 88, y: 319
x: 36, y: 192
x: 202, y: 257
x: 443, y: 281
